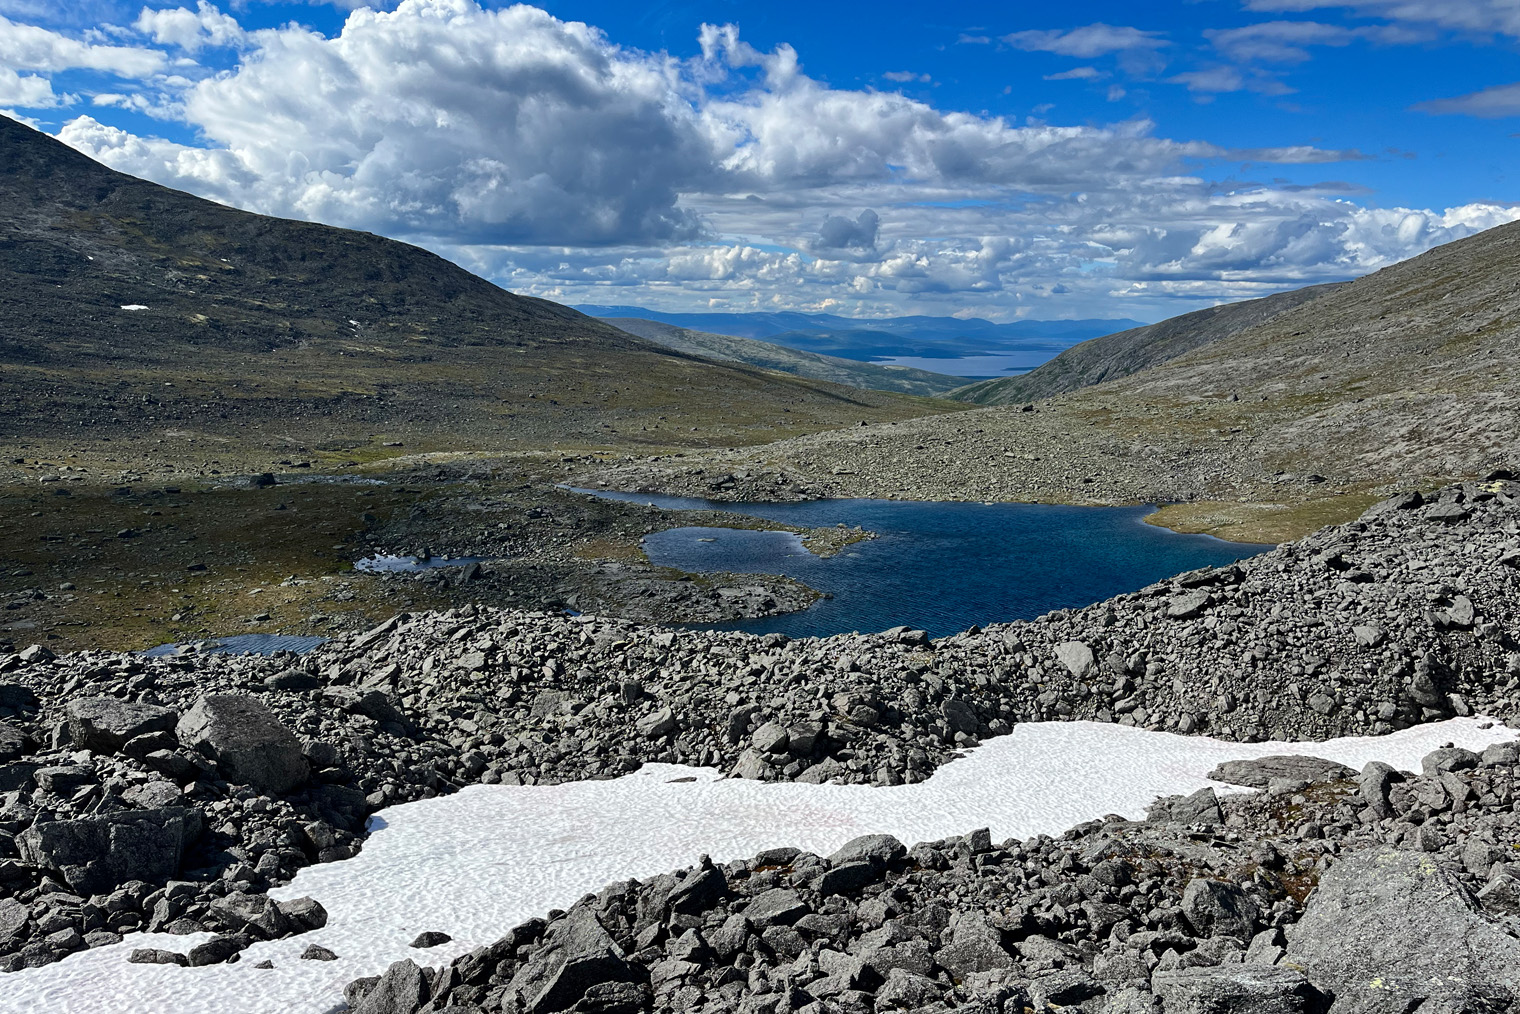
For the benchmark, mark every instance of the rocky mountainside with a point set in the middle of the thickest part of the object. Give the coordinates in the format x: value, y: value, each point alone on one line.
x: 726, y: 348
x: 1128, y: 352
x: 169, y: 793
x: 175, y: 327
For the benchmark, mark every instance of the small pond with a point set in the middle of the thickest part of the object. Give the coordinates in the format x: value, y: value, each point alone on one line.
x: 938, y: 566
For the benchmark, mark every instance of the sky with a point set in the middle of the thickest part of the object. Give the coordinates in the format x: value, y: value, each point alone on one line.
x: 999, y: 160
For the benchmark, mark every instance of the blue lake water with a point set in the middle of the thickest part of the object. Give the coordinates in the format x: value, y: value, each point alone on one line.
x: 941, y: 567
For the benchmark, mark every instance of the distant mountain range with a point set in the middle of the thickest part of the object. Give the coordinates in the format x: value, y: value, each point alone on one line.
x: 1023, y: 343
x: 770, y: 356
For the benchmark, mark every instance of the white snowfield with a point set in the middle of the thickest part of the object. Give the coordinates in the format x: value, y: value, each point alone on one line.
x: 479, y: 862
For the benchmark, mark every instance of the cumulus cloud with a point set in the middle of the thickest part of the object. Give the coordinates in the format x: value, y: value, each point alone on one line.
x: 1490, y: 103
x: 547, y: 157
x: 840, y: 233
x: 1087, y: 42
x: 190, y: 30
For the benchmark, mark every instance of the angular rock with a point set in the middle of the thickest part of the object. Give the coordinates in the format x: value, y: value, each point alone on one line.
x: 577, y: 955
x: 1076, y: 656
x: 1217, y: 908
x: 776, y: 907
x: 94, y: 855
x: 878, y: 849
x: 401, y: 990
x: 105, y: 724
x: 1400, y: 919
x: 249, y: 744
x: 1258, y: 772
x: 1237, y: 989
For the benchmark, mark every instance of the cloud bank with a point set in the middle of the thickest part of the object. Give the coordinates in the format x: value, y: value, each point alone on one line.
x: 545, y: 155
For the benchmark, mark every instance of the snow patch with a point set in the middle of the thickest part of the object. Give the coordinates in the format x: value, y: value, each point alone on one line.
x: 133, y: 306
x: 478, y: 862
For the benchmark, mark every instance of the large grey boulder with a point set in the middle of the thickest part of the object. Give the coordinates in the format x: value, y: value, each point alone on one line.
x: 95, y: 855
x: 1076, y: 656
x: 1237, y: 989
x: 1217, y: 908
x: 105, y: 724
x: 1259, y: 772
x: 401, y: 990
x: 249, y: 744
x: 1386, y: 929
x: 577, y: 955
x: 1202, y: 807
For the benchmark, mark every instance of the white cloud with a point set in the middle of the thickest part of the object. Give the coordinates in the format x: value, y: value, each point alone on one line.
x: 190, y: 30
x: 1500, y: 17
x: 1490, y: 103
x: 1277, y: 41
x: 1087, y: 42
x: 542, y: 154
x: 28, y: 91
x: 28, y: 47
x: 1077, y: 74
x: 906, y: 77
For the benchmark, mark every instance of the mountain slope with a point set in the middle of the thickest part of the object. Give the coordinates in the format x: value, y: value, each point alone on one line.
x: 726, y: 348
x: 1129, y: 352
x: 254, y: 336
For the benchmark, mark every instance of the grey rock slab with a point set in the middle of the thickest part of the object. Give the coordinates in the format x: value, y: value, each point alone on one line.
x: 658, y: 723
x: 248, y: 742
x: 776, y: 907
x: 1400, y: 918
x: 105, y: 724
x: 881, y: 849
x: 13, y: 742
x: 401, y: 990
x: 1257, y: 773
x: 94, y: 855
x: 1237, y: 989
x: 577, y: 955
x: 1188, y: 605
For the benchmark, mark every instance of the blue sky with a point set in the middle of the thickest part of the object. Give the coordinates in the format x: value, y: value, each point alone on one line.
x: 1000, y: 160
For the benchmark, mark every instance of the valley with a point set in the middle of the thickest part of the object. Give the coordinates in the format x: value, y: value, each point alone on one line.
x: 208, y: 417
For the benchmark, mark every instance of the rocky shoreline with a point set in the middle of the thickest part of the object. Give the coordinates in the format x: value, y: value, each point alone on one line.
x: 1403, y: 617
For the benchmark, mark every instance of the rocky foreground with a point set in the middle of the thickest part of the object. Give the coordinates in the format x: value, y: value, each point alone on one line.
x: 169, y: 794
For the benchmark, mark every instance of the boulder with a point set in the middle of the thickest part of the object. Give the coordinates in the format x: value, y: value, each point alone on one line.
x: 1076, y: 656
x: 776, y: 907
x: 104, y: 724
x: 249, y: 744
x: 1202, y: 807
x: 1218, y: 908
x: 658, y: 723
x: 95, y: 855
x: 1260, y: 771
x: 577, y: 955
x: 1237, y: 989
x: 1398, y: 918
x: 878, y: 849
x: 974, y: 947
x: 401, y: 990
x: 13, y: 742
